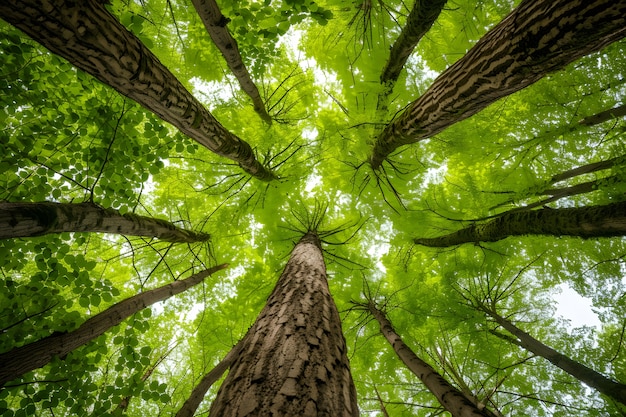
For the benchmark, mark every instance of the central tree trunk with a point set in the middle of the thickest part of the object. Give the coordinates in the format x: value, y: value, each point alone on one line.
x: 293, y: 360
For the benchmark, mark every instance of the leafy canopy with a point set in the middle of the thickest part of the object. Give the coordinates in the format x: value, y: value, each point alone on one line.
x: 67, y: 137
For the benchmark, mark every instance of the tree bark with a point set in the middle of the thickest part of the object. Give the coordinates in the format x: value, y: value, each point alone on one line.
x: 89, y: 37
x: 448, y: 396
x: 293, y: 360
x: 586, y: 222
x: 598, y: 118
x: 20, y: 360
x: 197, y: 395
x: 215, y: 23
x: 594, y: 379
x: 420, y: 20
x: 37, y: 219
x: 538, y: 37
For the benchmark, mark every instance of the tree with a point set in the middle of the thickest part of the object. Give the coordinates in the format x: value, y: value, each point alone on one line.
x: 215, y: 23
x: 606, y: 386
x: 494, y: 68
x: 124, y: 63
x: 36, y: 219
x: 454, y: 401
x: 420, y: 19
x: 293, y: 361
x: 586, y: 222
x: 34, y: 355
x: 71, y: 138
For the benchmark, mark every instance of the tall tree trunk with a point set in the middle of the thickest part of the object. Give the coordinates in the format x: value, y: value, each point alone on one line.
x: 594, y: 379
x: 36, y: 219
x: 88, y: 36
x: 558, y: 193
x: 293, y: 360
x: 603, y: 116
x: 448, y: 396
x: 190, y: 406
x: 555, y: 194
x: 538, y: 37
x: 20, y: 360
x: 215, y: 23
x: 588, y: 168
x: 420, y: 20
x: 585, y: 222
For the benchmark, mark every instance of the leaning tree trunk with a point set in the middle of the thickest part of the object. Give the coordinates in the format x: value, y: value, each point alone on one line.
x: 20, y: 360
x: 293, y: 360
x: 88, y: 36
x: 190, y: 406
x: 448, y: 396
x: 585, y: 222
x: 594, y: 379
x: 215, y: 23
x: 615, y: 112
x: 36, y: 219
x: 538, y: 37
x: 420, y: 19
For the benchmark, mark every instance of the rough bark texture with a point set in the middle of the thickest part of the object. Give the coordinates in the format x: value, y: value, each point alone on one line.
x: 293, y: 360
x: 538, y: 37
x: 448, y: 396
x: 36, y: 219
x: 215, y: 23
x: 420, y: 19
x: 20, y: 360
x: 604, y: 385
x: 615, y: 112
x: 88, y: 36
x: 190, y: 406
x: 586, y: 222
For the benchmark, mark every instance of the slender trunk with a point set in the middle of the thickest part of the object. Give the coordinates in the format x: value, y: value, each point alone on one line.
x: 420, y: 20
x: 604, y: 385
x: 37, y: 219
x: 190, y: 406
x: 215, y: 23
x: 538, y: 37
x: 587, y: 169
x: 598, y: 118
x: 585, y: 222
x: 554, y: 194
x: 20, y: 360
x: 123, y: 405
x: 557, y: 193
x: 293, y: 360
x: 89, y: 37
x: 448, y: 396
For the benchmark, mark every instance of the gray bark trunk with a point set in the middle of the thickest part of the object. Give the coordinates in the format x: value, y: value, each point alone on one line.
x: 293, y: 360
x: 594, y: 379
x: 37, y: 219
x: 538, y: 37
x: 215, y: 23
x: 89, y: 37
x: 190, y: 406
x: 586, y: 222
x: 420, y: 20
x: 20, y: 360
x: 448, y: 396
x: 615, y: 112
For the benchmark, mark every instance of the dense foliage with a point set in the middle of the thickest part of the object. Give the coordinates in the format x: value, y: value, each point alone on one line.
x: 68, y: 138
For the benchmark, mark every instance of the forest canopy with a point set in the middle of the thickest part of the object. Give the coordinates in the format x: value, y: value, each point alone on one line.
x: 461, y: 164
